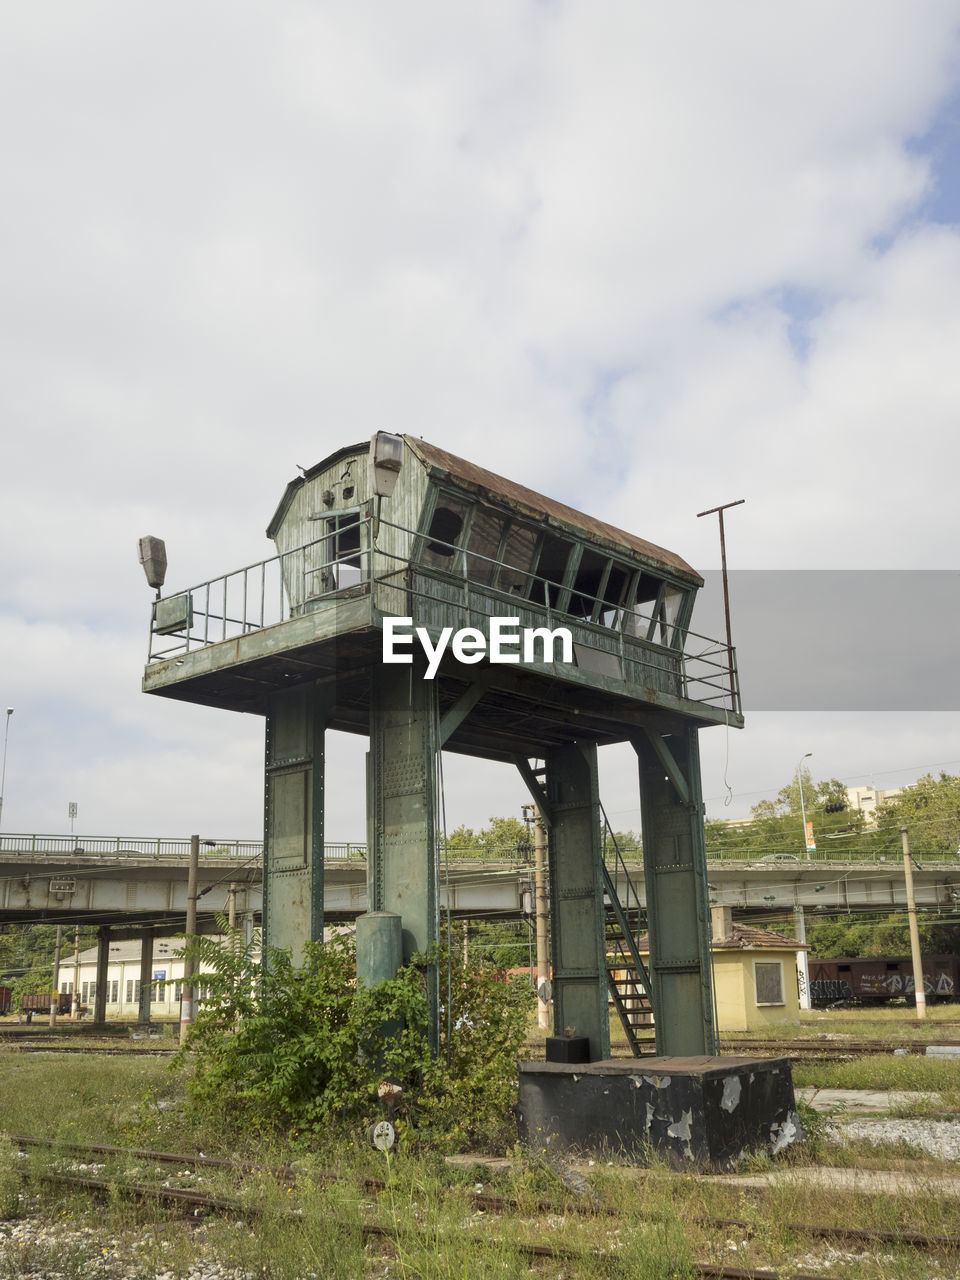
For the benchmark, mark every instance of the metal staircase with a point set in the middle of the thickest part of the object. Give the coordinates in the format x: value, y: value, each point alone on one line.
x: 626, y: 974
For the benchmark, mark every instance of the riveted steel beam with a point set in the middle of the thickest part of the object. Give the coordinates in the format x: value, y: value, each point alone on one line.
x: 576, y: 896
x: 678, y: 912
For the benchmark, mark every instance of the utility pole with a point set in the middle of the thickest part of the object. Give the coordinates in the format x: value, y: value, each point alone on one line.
x: 231, y: 905
x: 186, y: 998
x: 540, y: 899
x: 918, y: 988
x: 55, y: 994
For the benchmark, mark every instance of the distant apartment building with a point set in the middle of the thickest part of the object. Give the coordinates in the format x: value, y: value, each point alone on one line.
x: 867, y: 800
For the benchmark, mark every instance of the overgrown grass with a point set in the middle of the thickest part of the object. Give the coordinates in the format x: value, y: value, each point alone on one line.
x: 908, y: 1073
x: 437, y: 1231
x: 880, y: 1022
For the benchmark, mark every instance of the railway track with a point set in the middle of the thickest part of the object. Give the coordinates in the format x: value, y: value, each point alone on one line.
x: 195, y: 1203
x: 111, y: 1049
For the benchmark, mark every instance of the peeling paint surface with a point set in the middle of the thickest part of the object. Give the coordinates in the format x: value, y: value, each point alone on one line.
x: 782, y: 1135
x: 731, y: 1093
x: 681, y: 1128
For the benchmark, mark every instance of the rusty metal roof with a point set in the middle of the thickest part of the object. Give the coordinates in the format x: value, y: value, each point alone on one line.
x: 466, y: 475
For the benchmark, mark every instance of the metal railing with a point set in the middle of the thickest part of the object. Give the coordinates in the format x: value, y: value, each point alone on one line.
x: 178, y: 847
x: 643, y: 648
x: 158, y: 847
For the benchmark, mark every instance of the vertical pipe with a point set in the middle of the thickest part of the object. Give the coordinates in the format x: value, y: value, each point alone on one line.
x: 189, y: 965
x: 918, y: 988
x: 540, y: 901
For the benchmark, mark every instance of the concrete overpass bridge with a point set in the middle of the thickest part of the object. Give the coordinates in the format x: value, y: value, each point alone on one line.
x: 136, y: 887
x: 132, y: 883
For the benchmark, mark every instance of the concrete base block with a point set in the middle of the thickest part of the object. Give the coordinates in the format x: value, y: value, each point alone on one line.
x: 697, y: 1113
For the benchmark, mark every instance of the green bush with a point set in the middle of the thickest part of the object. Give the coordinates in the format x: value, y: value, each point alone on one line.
x: 302, y: 1048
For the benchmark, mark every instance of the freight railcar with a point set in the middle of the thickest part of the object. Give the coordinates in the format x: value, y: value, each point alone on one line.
x: 40, y: 1001
x: 877, y: 978
x: 6, y: 996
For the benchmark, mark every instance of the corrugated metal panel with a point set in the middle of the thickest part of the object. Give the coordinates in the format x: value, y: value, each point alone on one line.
x: 476, y: 479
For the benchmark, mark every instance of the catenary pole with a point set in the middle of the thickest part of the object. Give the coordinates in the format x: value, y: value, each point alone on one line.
x: 918, y: 988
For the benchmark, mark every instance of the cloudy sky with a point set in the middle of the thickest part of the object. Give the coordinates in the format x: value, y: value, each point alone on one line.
x: 645, y: 258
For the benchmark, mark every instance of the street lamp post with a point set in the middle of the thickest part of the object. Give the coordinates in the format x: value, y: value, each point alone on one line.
x: 3, y: 767
x: 803, y: 810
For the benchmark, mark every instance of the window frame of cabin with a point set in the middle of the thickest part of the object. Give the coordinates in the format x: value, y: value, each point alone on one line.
x: 660, y: 628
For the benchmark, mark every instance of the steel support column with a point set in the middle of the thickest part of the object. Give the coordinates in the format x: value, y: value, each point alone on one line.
x: 576, y: 896
x: 401, y: 808
x: 678, y: 910
x: 103, y: 959
x: 293, y: 818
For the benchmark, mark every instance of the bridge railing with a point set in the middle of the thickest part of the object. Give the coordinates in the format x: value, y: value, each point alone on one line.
x: 157, y: 847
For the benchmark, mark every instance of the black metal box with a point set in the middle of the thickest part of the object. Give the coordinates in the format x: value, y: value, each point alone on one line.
x: 568, y: 1048
x: 698, y: 1113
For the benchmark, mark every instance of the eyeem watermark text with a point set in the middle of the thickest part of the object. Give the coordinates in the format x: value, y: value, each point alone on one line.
x: 507, y: 642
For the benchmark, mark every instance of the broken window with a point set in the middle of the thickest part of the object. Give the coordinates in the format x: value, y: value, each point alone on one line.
x: 588, y: 584
x: 446, y: 526
x: 486, y: 531
x: 518, y: 550
x: 615, y: 599
x: 551, y: 570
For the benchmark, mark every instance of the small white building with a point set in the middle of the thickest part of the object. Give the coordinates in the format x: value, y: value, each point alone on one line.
x: 123, y: 978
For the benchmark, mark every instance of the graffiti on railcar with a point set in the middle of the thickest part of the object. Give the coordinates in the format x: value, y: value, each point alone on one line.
x: 826, y: 990
x: 882, y: 978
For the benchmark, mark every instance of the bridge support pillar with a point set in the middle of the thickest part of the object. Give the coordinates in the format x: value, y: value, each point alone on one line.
x: 146, y: 976
x: 103, y: 959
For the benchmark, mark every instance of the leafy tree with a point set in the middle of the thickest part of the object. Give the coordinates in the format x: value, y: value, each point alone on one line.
x: 628, y: 842
x: 501, y: 838
x: 880, y: 936
x: 930, y: 810
x: 504, y: 943
x: 34, y: 980
x: 776, y: 826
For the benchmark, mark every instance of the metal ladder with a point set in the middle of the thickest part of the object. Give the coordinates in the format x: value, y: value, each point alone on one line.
x: 626, y: 973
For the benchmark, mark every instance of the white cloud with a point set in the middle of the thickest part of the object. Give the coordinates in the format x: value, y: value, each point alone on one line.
x: 572, y: 242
